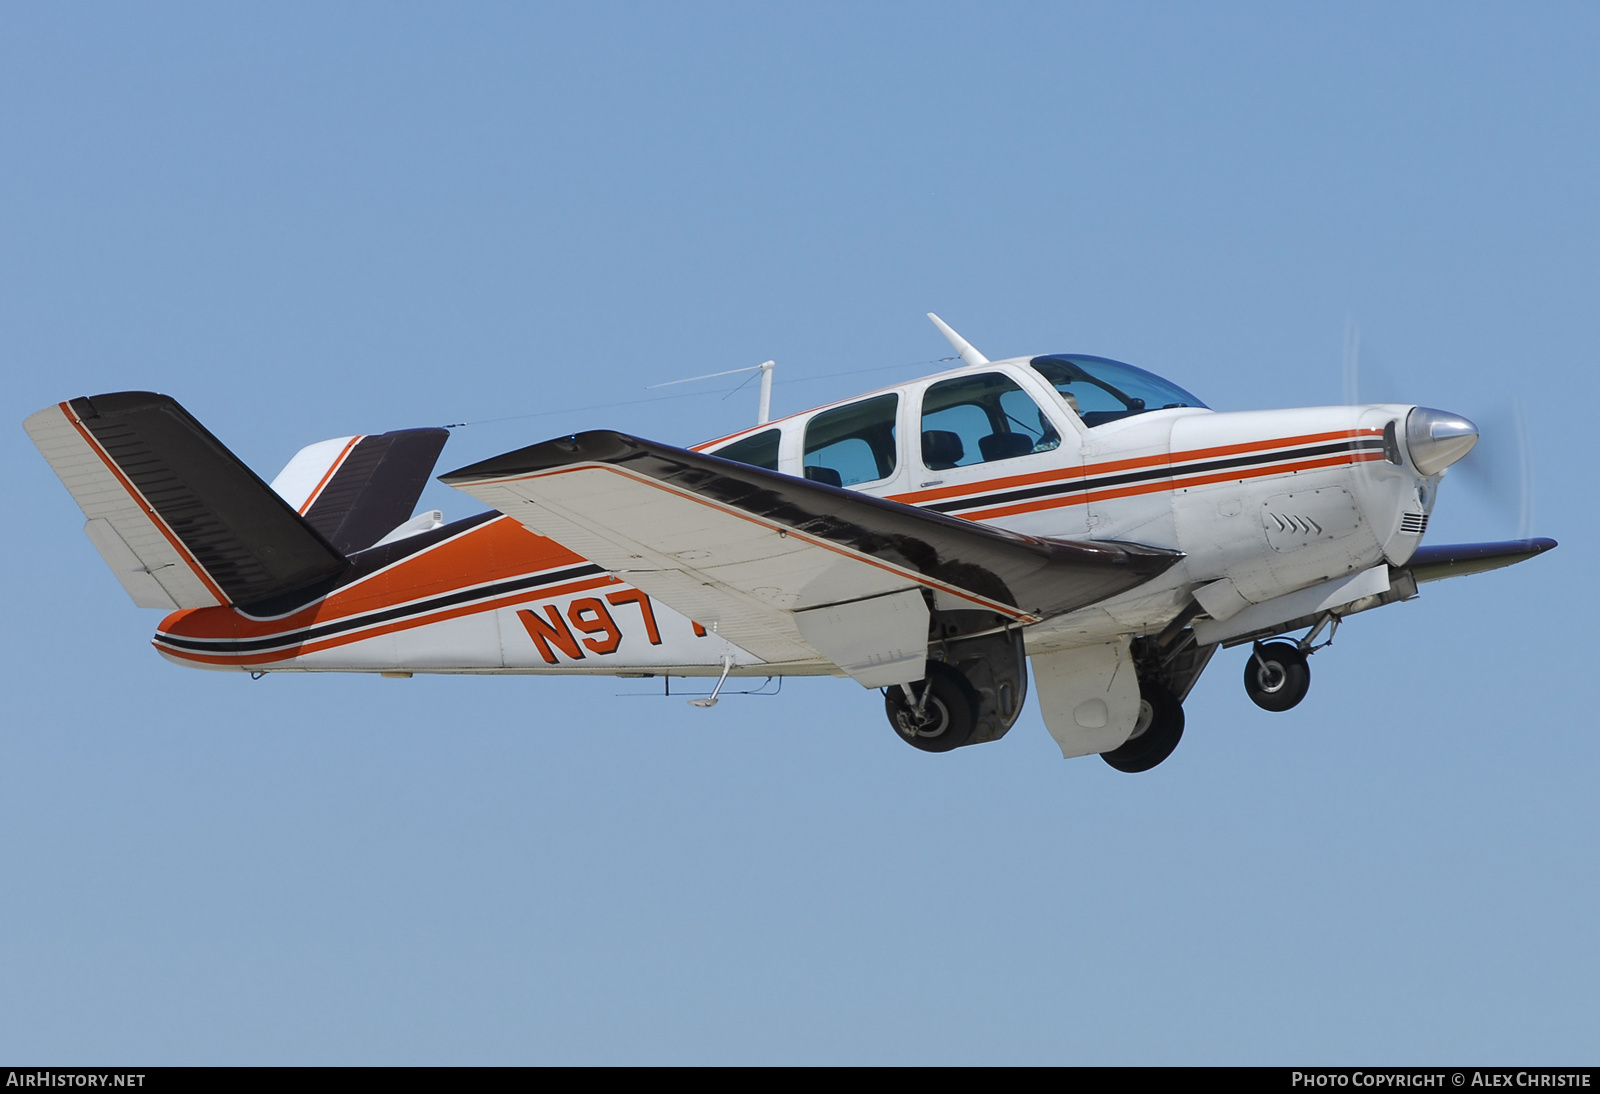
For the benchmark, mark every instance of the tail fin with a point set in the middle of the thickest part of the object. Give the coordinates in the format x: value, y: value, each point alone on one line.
x: 355, y: 490
x: 181, y: 520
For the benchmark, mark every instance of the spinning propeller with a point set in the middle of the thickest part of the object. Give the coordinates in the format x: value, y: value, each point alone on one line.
x: 1496, y: 467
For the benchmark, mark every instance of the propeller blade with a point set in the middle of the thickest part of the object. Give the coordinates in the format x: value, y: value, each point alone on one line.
x: 1500, y: 468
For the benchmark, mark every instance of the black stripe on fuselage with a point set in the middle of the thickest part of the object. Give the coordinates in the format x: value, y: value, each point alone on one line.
x: 1079, y: 486
x: 422, y: 607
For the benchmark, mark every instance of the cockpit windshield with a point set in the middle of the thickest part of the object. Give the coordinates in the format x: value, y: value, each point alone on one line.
x: 1102, y: 391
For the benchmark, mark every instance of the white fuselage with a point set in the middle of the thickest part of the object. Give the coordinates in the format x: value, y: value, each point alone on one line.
x: 1269, y: 501
x: 1273, y: 500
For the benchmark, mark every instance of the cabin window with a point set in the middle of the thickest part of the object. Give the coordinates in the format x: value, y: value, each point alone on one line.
x: 760, y: 450
x: 852, y: 444
x: 981, y: 419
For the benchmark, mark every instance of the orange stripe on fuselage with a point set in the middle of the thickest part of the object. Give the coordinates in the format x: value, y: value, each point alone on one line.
x: 1066, y: 474
x: 441, y: 616
x: 496, y: 551
x: 1178, y: 482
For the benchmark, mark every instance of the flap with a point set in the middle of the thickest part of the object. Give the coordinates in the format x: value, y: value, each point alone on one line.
x: 878, y: 642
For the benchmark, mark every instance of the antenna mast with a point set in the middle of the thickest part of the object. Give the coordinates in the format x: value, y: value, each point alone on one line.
x: 764, y: 413
x: 960, y: 344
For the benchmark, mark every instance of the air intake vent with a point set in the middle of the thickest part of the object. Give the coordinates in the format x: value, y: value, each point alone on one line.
x: 1414, y: 524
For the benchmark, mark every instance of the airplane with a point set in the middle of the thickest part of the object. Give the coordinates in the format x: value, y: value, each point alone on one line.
x: 934, y: 540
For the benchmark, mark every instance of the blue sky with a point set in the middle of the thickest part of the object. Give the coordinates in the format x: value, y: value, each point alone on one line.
x: 310, y: 220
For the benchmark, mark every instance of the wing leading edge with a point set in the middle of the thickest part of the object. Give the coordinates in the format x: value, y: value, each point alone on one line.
x: 759, y: 555
x: 1435, y: 563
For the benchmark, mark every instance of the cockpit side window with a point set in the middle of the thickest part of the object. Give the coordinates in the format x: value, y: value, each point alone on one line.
x: 1102, y: 390
x: 981, y: 419
x: 760, y: 450
x: 852, y: 444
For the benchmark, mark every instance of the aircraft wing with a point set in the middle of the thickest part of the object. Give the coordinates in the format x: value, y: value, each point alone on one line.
x: 1435, y: 563
x: 787, y: 568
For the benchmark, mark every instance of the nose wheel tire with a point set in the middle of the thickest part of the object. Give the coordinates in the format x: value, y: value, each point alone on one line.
x: 940, y: 714
x: 1155, y: 734
x: 1276, y: 677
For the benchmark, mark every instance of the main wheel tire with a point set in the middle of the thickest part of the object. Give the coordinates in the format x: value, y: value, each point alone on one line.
x: 949, y: 714
x: 1155, y: 735
x: 1277, y: 677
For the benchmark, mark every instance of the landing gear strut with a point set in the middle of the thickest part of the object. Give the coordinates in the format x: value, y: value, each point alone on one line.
x: 1277, y: 676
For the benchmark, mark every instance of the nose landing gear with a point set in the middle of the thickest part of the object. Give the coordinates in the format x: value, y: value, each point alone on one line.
x: 1277, y: 676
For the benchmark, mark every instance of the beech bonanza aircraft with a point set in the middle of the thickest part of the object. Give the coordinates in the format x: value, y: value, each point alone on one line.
x: 929, y: 540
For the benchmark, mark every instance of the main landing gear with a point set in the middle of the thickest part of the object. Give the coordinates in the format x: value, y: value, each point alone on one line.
x: 935, y: 714
x: 1168, y: 666
x: 973, y: 694
x: 1155, y: 734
